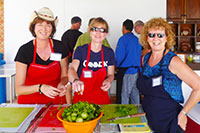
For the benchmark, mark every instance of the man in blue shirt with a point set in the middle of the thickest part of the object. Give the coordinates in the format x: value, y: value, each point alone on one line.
x: 128, y: 57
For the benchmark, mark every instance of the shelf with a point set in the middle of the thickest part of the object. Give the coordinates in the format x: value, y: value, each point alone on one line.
x: 187, y: 34
x: 194, y: 66
x: 188, y: 21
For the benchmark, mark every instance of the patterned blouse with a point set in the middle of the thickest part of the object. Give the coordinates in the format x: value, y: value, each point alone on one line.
x: 172, y: 84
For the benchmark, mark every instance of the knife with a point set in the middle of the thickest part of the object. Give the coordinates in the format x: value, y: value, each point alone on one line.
x: 128, y: 116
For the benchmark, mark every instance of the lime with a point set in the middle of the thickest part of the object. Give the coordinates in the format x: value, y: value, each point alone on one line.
x: 73, y: 118
x: 79, y: 119
x: 84, y: 115
x: 69, y: 118
x: 74, y: 114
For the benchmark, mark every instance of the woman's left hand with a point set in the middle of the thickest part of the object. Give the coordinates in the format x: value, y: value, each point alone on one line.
x: 106, y: 85
x: 182, y: 120
x: 62, y: 88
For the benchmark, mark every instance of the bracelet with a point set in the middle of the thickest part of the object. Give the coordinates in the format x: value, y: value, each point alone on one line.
x: 40, y: 88
x: 184, y: 112
x: 75, y: 80
x: 69, y: 83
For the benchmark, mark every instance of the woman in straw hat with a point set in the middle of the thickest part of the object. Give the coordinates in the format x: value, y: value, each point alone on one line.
x: 41, y: 64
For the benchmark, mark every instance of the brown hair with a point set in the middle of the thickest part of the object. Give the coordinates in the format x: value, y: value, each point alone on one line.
x: 157, y: 23
x: 39, y: 20
x: 97, y: 21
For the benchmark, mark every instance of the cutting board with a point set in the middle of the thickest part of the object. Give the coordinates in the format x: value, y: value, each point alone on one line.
x: 110, y: 111
x: 50, y: 119
x: 12, y: 117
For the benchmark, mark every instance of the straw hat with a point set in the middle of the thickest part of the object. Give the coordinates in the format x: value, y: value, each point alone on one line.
x: 46, y: 14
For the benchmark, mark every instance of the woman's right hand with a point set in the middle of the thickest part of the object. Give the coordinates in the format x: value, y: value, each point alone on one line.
x: 182, y: 120
x: 78, y: 86
x: 50, y: 91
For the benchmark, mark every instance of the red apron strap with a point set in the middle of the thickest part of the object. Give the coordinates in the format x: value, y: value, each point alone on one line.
x: 88, y: 56
x: 51, y: 45
x: 102, y: 57
x: 34, y: 55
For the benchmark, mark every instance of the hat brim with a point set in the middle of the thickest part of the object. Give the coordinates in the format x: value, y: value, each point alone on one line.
x: 35, y: 14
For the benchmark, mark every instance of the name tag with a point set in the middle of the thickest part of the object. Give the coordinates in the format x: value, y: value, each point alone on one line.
x: 156, y: 81
x: 87, y: 74
x: 55, y: 56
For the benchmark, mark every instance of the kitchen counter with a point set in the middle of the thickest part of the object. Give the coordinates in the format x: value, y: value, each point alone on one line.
x: 44, y: 119
x: 47, y: 122
x: 194, y: 66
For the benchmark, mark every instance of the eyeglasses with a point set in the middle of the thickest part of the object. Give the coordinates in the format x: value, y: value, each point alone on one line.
x: 159, y: 35
x: 102, y: 30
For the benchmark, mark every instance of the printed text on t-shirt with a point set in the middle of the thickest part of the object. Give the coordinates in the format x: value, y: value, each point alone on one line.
x: 95, y: 64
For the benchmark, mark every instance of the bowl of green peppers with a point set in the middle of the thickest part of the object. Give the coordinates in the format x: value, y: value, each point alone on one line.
x: 80, y: 117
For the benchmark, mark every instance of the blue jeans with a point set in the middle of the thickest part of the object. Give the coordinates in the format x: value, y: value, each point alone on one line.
x: 129, y: 89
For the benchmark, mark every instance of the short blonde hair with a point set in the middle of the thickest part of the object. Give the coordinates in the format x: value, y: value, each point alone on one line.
x: 97, y: 21
x: 157, y: 23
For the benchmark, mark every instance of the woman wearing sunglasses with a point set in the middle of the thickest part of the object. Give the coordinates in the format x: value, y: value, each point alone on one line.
x: 161, y: 78
x: 92, y: 69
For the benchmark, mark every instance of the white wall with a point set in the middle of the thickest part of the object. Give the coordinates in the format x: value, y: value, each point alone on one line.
x: 17, y: 15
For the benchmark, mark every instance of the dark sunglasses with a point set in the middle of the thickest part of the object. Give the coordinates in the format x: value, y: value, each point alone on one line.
x: 102, y: 30
x: 159, y: 35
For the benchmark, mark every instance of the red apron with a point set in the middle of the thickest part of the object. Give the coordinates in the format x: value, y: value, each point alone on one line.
x: 92, y: 86
x: 42, y: 74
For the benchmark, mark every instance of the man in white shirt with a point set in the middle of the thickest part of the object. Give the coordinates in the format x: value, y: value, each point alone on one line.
x: 138, y: 27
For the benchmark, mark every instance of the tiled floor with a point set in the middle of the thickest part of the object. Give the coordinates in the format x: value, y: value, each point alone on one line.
x: 113, y: 99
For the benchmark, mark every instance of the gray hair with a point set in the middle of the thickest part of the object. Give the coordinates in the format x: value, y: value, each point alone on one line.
x: 139, y: 22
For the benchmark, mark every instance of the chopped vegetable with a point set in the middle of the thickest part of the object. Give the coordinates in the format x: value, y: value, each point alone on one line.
x: 123, y: 110
x: 80, y: 112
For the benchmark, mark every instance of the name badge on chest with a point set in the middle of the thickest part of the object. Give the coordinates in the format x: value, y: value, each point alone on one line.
x: 55, y: 56
x: 87, y: 74
x: 156, y: 81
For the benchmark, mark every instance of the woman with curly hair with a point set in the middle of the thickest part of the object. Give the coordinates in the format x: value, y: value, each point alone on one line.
x: 161, y: 79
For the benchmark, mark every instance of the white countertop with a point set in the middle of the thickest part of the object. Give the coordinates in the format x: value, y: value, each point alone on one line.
x: 8, y: 66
